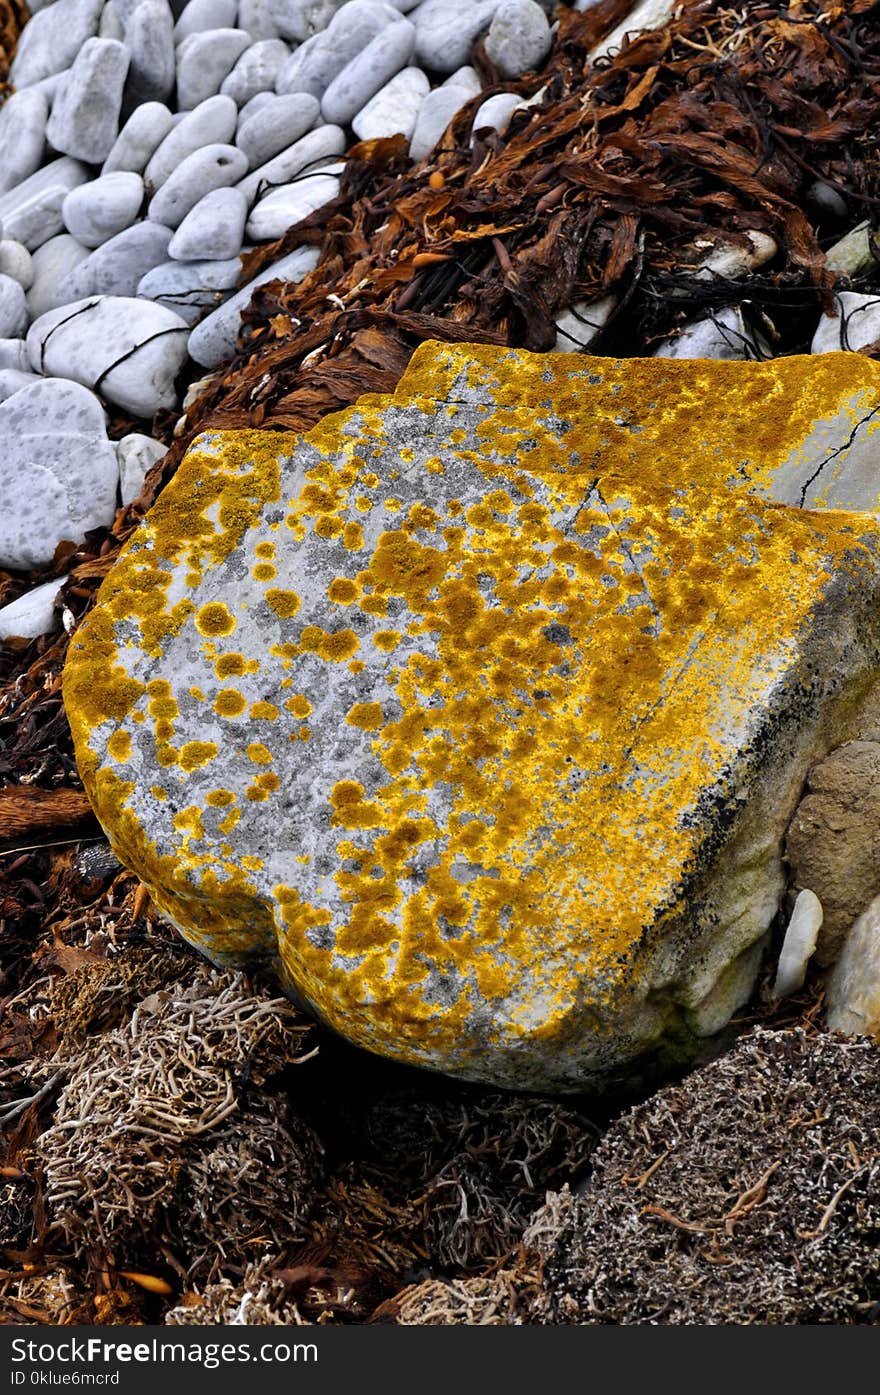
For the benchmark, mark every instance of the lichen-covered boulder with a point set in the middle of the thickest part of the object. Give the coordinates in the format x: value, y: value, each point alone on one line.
x: 479, y: 712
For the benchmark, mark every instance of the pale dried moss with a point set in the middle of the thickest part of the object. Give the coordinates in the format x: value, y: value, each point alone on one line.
x: 100, y: 995
x: 257, y: 1300
x: 156, y: 1135
x: 503, y: 1299
x: 750, y: 1193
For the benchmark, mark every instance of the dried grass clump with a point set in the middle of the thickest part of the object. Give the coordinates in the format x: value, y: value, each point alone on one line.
x: 258, y: 1300
x: 750, y: 1193
x: 156, y: 1135
x: 101, y: 994
x: 503, y: 1299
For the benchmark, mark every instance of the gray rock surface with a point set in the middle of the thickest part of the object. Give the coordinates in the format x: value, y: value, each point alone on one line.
x: 211, y: 123
x: 149, y: 38
x: 85, y: 114
x: 137, y: 455
x: 203, y: 61
x: 213, y: 340
x: 53, y: 263
x: 51, y: 40
x: 128, y: 350
x: 496, y: 112
x: 434, y: 116
x: 191, y: 288
x: 446, y: 31
x: 118, y: 267
x: 284, y: 207
x: 58, y: 471
x: 277, y: 126
x: 31, y: 212
x: 33, y: 613
x: 22, y: 135
x: 317, y: 62
x: 13, y: 308
x: 312, y: 149
x: 17, y: 262
x: 855, y: 325
x: 394, y: 108
x: 14, y: 355
x: 519, y: 37
x: 212, y: 167
x: 213, y: 230
x: 255, y: 17
x: 201, y: 16
x: 363, y: 77
x: 256, y: 70
x: 139, y: 138
x: 12, y: 380
x: 97, y: 211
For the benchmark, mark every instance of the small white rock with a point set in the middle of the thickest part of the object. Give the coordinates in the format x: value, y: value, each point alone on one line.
x: 12, y: 381
x: 53, y: 263
x: 519, y: 38
x: 853, y: 255
x: 254, y: 16
x: 256, y: 70
x: 13, y: 309
x: 139, y: 138
x: 190, y: 288
x: 33, y: 614
x: 729, y: 260
x: 394, y: 108
x: 137, y: 455
x: 362, y: 78
x: 495, y: 113
x: 277, y: 126
x: 318, y: 61
x: 111, y: 26
x: 798, y: 945
x: 85, y: 115
x: 722, y: 335
x: 435, y: 114
x: 31, y: 212
x: 95, y: 212
x: 258, y: 103
x: 201, y: 16
x: 213, y: 167
x: 213, y: 340
x: 301, y: 19
x: 149, y: 38
x: 854, y: 985
x: 119, y: 265
x: 647, y: 14
x: 211, y: 123
x: 467, y: 78
x: 203, y: 61
x: 17, y: 262
x: 22, y: 136
x: 855, y: 326
x: 213, y: 230
x: 446, y: 31
x: 578, y: 327
x: 51, y: 40
x: 286, y: 206
x: 316, y: 146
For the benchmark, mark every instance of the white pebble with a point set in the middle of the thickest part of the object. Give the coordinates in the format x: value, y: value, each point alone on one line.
x: 362, y: 78
x: 13, y: 309
x: 17, y: 262
x: 255, y: 71
x: 321, y: 144
x: 318, y: 61
x: 581, y: 324
x: 394, y: 108
x: 213, y: 230
x: 203, y: 61
x: 98, y: 211
x: 85, y: 115
x: 855, y: 325
x: 721, y: 335
x: 139, y: 138
x: 137, y: 455
x: 201, y: 16
x: 798, y: 945
x: 286, y: 206
x: 119, y: 265
x: 496, y: 112
x: 149, y: 38
x: 22, y: 136
x: 53, y: 263
x: 519, y: 38
x: 31, y: 212
x: 14, y: 355
x: 276, y: 126
x: 213, y: 167
x: 446, y: 30
x: 33, y: 614
x: 50, y: 42
x: 12, y: 380
x: 190, y: 288
x: 254, y: 16
x: 435, y: 114
x: 211, y: 123
x: 213, y: 340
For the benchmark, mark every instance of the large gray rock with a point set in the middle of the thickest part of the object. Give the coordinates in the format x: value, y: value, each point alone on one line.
x: 13, y: 308
x: 277, y: 126
x: 119, y: 265
x: 51, y: 40
x: 446, y: 31
x: 519, y: 37
x: 213, y: 340
x: 312, y: 149
x: 22, y: 136
x: 191, y: 288
x: 213, y: 230
x: 149, y: 38
x: 31, y: 212
x: 85, y: 114
x: 363, y: 77
x: 58, y: 471
x: 128, y: 350
x: 211, y: 123
x: 203, y: 61
x: 95, y: 212
x: 256, y: 70
x: 139, y: 138
x: 485, y: 718
x: 213, y: 167
x: 53, y: 263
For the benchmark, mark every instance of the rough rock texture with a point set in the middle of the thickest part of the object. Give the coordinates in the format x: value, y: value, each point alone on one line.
x: 854, y: 984
x: 358, y: 704
x: 748, y: 1194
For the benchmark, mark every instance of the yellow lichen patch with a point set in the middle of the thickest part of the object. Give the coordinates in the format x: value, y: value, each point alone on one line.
x: 195, y: 754
x: 284, y: 603
x: 299, y: 705
x: 343, y: 591
x: 266, y: 550
x: 366, y: 715
x: 119, y: 745
x: 264, y: 571
x: 229, y: 702
x: 264, y: 711
x: 219, y: 799
x: 259, y: 754
x: 159, y: 792
x: 215, y: 618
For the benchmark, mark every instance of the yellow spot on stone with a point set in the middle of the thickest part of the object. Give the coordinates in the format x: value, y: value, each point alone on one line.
x: 284, y: 603
x: 194, y: 754
x: 343, y: 591
x: 265, y: 549
x: 299, y: 705
x: 230, y: 666
x: 366, y: 715
x: 259, y: 754
x: 229, y: 702
x: 196, y: 692
x: 353, y: 537
x: 264, y: 711
x: 218, y: 799
x: 264, y: 571
x: 215, y: 619
x: 119, y: 745
x: 159, y: 792
x: 387, y: 640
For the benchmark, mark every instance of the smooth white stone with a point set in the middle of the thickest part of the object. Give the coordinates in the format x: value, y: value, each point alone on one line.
x: 435, y: 114
x: 14, y: 355
x: 798, y: 945
x: 137, y: 455
x: 85, y: 115
x: 258, y: 103
x: 256, y: 70
x: 31, y: 213
x: 647, y: 14
x: 283, y: 208
x: 213, y: 340
x: 582, y: 323
x: 12, y: 380
x: 13, y: 309
x: 211, y: 123
x: 149, y: 38
x: 213, y: 230
x: 213, y: 167
x: 362, y: 78
x: 496, y: 112
x: 17, y: 262
x: 203, y: 61
x: 139, y: 138
x: 201, y: 16
x: 277, y: 127
x: 95, y: 212
x: 49, y: 87
x: 118, y: 267
x: 111, y: 25
x: 728, y: 260
x: 317, y: 62
x: 853, y: 995
x: 446, y: 30
x: 190, y: 288
x: 128, y: 350
x: 853, y: 254
x: 519, y: 38
x: 58, y: 471
x: 255, y: 17
x: 22, y: 136
x: 51, y: 40
x: 53, y: 263
x: 466, y: 77
x: 394, y: 108
x: 855, y: 326
x: 320, y: 144
x: 301, y: 19
x: 724, y: 335
x: 33, y: 614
